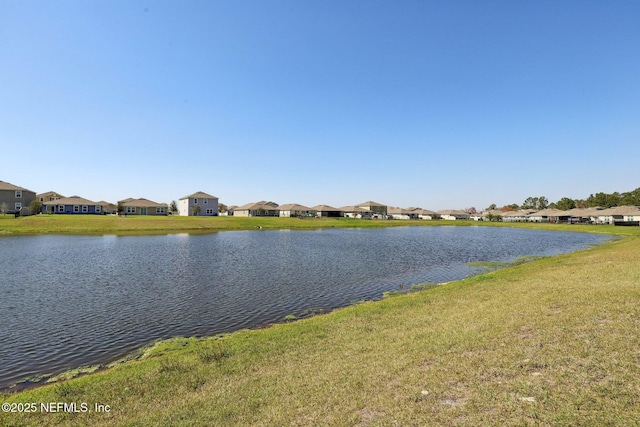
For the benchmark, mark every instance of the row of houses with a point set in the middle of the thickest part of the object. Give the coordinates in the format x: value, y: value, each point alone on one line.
x: 620, y: 215
x: 15, y: 199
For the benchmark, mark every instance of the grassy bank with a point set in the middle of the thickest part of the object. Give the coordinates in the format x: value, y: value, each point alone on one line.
x: 550, y: 342
x: 110, y: 224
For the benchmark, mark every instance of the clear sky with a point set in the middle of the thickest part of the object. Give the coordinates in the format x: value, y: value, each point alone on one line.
x: 437, y: 104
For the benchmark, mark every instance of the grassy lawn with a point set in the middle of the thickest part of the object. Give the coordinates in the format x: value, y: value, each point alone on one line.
x: 550, y: 342
x: 110, y: 224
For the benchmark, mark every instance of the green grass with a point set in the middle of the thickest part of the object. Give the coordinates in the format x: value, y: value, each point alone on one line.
x: 103, y: 224
x: 110, y: 224
x: 553, y: 341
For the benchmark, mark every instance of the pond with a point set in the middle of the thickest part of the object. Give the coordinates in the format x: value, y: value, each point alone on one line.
x: 68, y: 301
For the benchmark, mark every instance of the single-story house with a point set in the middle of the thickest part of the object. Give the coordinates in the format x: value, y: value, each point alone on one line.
x: 108, y: 208
x: 398, y: 213
x: 295, y: 210
x: 421, y: 213
x: 452, y: 214
x: 546, y: 215
x: 198, y: 204
x: 229, y: 211
x: 261, y: 208
x: 141, y: 206
x: 327, y: 211
x: 356, y: 212
x: 377, y: 209
x: 14, y: 199
x: 517, y: 216
x: 627, y: 215
x: 581, y: 215
x: 74, y: 205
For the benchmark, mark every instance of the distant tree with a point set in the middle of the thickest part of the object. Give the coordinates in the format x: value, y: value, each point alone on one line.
x: 173, y: 207
x: 581, y: 204
x: 35, y: 207
x: 530, y: 203
x: 493, y: 218
x: 4, y: 207
x: 471, y: 210
x: 222, y: 207
x: 119, y: 208
x: 537, y: 203
x: 491, y: 207
x: 604, y: 200
x: 543, y: 203
x: 630, y: 198
x: 196, y: 210
x: 565, y: 204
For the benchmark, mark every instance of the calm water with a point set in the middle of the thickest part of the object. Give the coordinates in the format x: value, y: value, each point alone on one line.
x: 67, y: 301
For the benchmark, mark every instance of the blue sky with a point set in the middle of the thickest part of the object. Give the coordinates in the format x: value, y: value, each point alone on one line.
x: 442, y: 105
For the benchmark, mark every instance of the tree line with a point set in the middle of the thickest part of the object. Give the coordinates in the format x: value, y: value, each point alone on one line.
x: 602, y: 200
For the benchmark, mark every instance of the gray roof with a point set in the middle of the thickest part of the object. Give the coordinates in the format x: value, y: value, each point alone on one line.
x: 452, y: 212
x: 49, y: 194
x: 371, y: 203
x: 73, y: 200
x: 325, y: 208
x: 293, y: 207
x: 267, y: 206
x: 620, y: 210
x: 141, y: 203
x: 354, y: 209
x: 8, y: 186
x: 199, y: 195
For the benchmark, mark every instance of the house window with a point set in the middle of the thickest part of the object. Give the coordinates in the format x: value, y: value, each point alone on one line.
x: 60, y: 208
x: 18, y: 194
x: 209, y: 211
x: 205, y: 201
x: 76, y: 208
x: 195, y: 201
x: 85, y: 209
x: 98, y: 209
x: 131, y: 209
x: 18, y: 206
x: 159, y: 210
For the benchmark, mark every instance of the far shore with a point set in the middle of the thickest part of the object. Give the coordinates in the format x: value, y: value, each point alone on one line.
x: 139, y: 225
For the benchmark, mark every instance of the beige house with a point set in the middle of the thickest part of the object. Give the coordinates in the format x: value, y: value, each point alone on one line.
x: 452, y: 214
x: 546, y: 215
x: 398, y: 213
x: 49, y: 196
x: 326, y: 211
x: 626, y: 215
x: 141, y: 206
x: 14, y: 199
x: 377, y: 209
x: 198, y: 204
x: 108, y: 208
x: 421, y: 213
x: 262, y: 208
x: 356, y: 212
x: 295, y: 210
x: 517, y: 216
